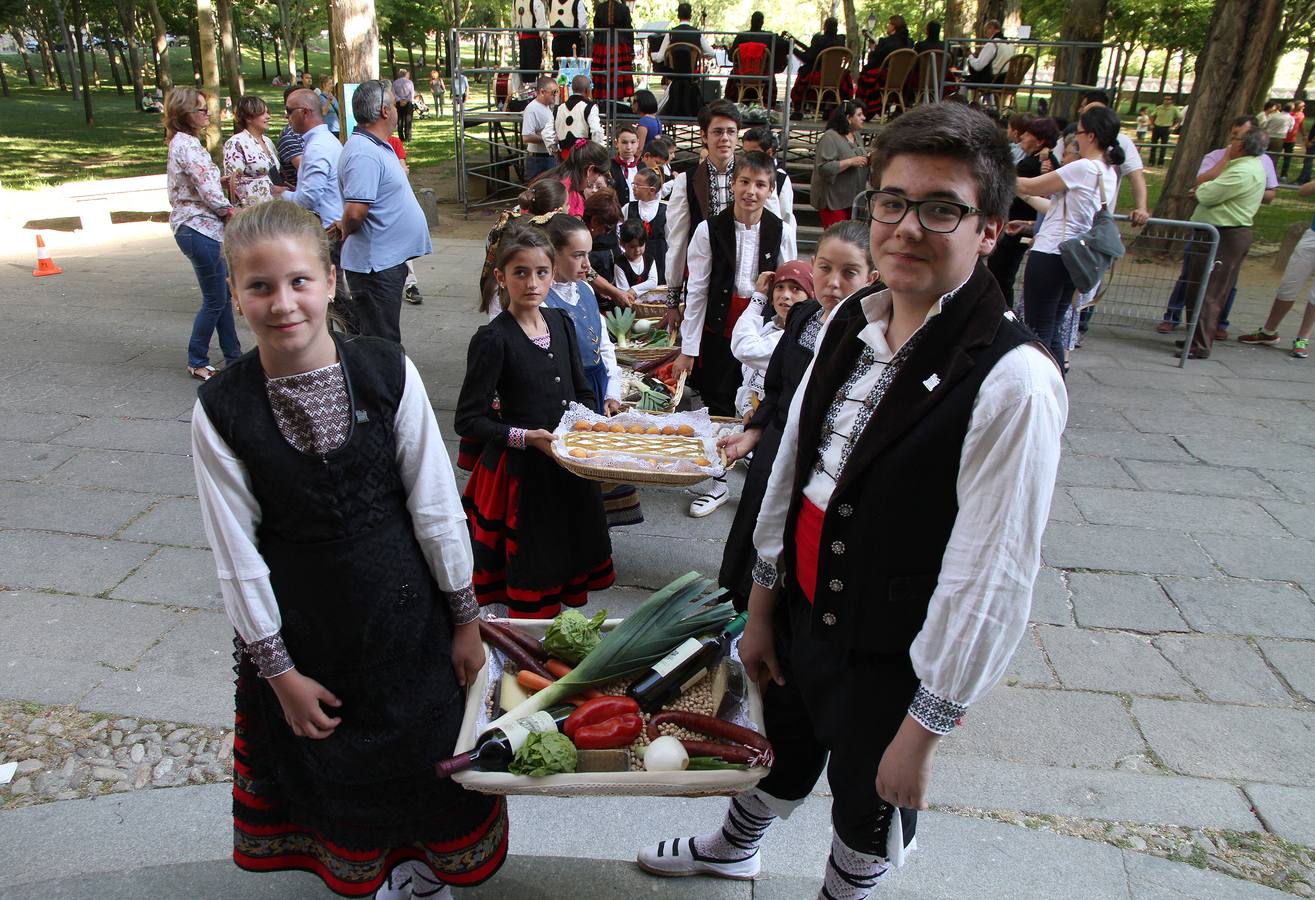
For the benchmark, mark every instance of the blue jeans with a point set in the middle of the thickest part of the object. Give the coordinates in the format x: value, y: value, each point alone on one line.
x: 216, y: 311
x: 537, y: 163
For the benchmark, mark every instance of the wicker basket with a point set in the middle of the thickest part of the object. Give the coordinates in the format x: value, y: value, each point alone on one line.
x: 675, y: 399
x: 725, y: 782
x: 627, y: 474
x: 646, y: 310
x: 633, y: 356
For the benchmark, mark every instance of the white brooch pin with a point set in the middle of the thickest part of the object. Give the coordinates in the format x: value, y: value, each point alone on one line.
x: 931, y: 382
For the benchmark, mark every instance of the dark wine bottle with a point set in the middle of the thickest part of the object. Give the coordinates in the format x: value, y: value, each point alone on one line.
x: 682, y: 668
x: 495, y: 748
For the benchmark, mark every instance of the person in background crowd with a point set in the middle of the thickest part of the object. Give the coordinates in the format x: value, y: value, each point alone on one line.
x: 1077, y: 192
x: 530, y: 19
x: 249, y: 155
x: 317, y: 185
x: 807, y: 76
x: 873, y: 77
x: 992, y: 56
x: 307, y: 81
x: 602, y: 215
x: 289, y: 147
x: 1290, y: 142
x: 651, y: 214
x: 577, y: 117
x: 1300, y: 268
x: 932, y: 490
x: 410, y: 287
x: 614, y: 50
x: 1143, y: 124
x: 1229, y: 202
x: 436, y: 90
x: 1277, y: 125
x: 932, y: 41
x: 683, y: 96
x: 328, y: 98
x: 568, y: 20
x: 636, y: 269
x: 404, y: 90
x: 657, y: 156
x: 382, y: 223
x: 1037, y: 141
x: 757, y: 60
x: 626, y: 162
x: 649, y: 127
x: 759, y: 330
x: 1131, y: 168
x: 1164, y: 119
x: 198, y: 210
x: 840, y: 167
x: 538, y: 203
x: 1211, y: 167
x: 538, y: 130
x: 765, y: 140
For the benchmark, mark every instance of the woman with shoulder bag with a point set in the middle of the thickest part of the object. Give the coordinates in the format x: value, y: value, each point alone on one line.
x: 1077, y: 191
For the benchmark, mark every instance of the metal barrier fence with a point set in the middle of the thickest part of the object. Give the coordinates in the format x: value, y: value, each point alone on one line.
x: 1159, y: 277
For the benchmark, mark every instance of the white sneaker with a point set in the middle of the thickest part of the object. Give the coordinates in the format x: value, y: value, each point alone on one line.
x: 708, y: 502
x: 679, y: 858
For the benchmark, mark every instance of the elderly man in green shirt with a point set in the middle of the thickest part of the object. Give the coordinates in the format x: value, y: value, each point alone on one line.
x: 1163, y: 118
x: 1228, y: 202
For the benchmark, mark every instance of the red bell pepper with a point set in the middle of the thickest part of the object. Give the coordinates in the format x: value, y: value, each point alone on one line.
x: 618, y: 731
x: 597, y: 711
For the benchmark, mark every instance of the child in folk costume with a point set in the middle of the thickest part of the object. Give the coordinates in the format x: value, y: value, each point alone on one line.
x: 602, y: 213
x: 759, y: 330
x: 539, y: 535
x: 726, y: 255
x: 657, y: 156
x: 636, y: 270
x: 571, y: 240
x: 907, y: 504
x: 650, y: 212
x: 541, y: 200
x: 614, y: 50
x: 345, y: 568
x: 649, y: 128
x: 841, y: 265
x: 763, y: 139
x: 626, y: 162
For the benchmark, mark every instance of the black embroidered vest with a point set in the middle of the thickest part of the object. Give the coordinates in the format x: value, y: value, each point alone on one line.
x: 721, y: 239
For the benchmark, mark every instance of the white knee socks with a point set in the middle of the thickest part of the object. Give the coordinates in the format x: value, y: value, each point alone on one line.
x: 850, y: 875
x: 739, y: 836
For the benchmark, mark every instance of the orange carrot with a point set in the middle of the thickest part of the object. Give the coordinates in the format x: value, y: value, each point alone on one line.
x: 531, y: 681
x: 556, y: 667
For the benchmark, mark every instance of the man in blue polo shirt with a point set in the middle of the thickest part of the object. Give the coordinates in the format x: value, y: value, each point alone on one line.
x: 382, y: 224
x: 317, y: 178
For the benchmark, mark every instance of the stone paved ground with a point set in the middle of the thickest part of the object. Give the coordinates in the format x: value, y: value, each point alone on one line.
x: 1166, y: 682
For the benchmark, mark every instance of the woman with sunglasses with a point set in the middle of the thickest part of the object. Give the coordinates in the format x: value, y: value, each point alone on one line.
x: 1077, y: 192
x: 198, y: 210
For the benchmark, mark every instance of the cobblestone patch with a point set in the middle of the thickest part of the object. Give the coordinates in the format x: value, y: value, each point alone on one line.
x: 1253, y: 855
x: 64, y: 754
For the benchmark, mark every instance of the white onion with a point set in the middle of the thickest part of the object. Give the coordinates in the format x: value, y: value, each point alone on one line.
x: 666, y: 754
x: 643, y: 326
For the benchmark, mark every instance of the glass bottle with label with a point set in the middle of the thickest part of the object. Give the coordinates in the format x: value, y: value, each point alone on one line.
x: 495, y: 748
x: 682, y: 668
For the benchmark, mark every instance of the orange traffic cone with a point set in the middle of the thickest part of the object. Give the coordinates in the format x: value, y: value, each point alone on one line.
x: 45, y: 265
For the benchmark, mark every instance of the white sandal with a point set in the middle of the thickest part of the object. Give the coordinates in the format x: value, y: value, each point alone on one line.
x: 706, y: 504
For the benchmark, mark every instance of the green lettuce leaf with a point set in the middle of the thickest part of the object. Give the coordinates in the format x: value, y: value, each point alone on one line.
x: 571, y: 636
x: 544, y: 753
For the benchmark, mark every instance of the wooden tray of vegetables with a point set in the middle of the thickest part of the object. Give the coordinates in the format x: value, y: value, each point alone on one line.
x: 690, y: 747
x: 638, y: 340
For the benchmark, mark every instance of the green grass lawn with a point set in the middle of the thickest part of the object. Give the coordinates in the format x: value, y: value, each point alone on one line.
x: 44, y: 139
x: 1271, y: 223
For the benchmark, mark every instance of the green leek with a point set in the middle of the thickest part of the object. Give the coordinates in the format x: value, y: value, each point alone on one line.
x: 681, y: 610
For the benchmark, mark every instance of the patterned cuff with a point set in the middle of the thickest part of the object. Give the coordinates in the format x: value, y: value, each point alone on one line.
x: 936, y: 714
x: 269, y: 655
x: 764, y: 573
x: 464, y: 606
x: 757, y: 297
x: 516, y: 438
x: 673, y: 296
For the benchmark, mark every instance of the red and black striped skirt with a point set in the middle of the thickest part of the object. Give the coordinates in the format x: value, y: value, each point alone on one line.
x: 613, y: 67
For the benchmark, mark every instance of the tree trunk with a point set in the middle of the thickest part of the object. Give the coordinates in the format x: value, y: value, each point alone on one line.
x: 1277, y: 41
x: 22, y: 54
x: 83, y: 70
x: 4, y: 81
x: 1141, y: 76
x: 1008, y: 13
x: 114, y: 64
x: 91, y: 53
x: 1182, y: 71
x: 128, y: 22
x: 1299, y: 95
x: 278, y: 59
x: 333, y: 56
x: 1164, y: 71
x: 1083, y: 21
x: 1228, y: 72
x: 355, y: 37
x: 285, y: 30
x: 424, y: 45
x: 305, y: 54
x: 50, y: 45
x: 228, y: 47
x: 66, y: 38
x: 392, y: 57
x: 194, y: 51
x: 411, y: 58
x: 958, y: 18
x: 260, y: 46
x: 163, y: 77
x: 205, y: 16
x: 49, y: 71
x: 853, y: 31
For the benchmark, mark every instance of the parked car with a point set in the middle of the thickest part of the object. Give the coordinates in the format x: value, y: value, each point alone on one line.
x: 31, y: 45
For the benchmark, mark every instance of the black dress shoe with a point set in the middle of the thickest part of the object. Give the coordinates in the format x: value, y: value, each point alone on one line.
x: 412, y: 295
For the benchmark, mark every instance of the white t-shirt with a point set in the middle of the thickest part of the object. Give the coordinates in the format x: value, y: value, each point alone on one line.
x: 1131, y: 158
x: 1072, y: 210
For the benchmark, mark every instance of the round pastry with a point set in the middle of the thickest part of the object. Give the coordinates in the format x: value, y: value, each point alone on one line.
x: 636, y: 429
x: 685, y: 431
x: 579, y: 453
x: 668, y: 429
x: 581, y: 425
x: 653, y: 429
x: 701, y: 461
x: 601, y: 426
x: 617, y: 428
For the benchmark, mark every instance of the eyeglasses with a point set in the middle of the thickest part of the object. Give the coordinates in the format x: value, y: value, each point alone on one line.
x: 289, y: 110
x: 939, y: 216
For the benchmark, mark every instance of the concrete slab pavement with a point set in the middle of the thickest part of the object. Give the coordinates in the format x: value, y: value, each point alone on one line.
x: 1168, y: 678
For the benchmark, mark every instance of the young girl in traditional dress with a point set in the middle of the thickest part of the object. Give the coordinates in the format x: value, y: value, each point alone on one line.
x: 651, y: 212
x: 345, y: 567
x: 571, y: 240
x: 759, y: 330
x: 540, y: 538
x: 636, y: 270
x: 841, y: 266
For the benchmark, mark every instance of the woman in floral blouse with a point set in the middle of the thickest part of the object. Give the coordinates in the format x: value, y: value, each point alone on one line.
x: 198, y: 210
x: 249, y: 156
